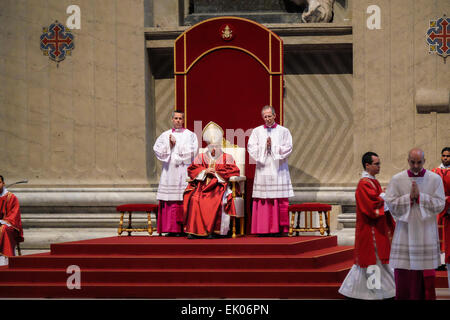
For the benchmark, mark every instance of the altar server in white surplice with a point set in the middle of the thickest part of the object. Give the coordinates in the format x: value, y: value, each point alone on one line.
x: 269, y: 146
x: 415, y: 197
x: 176, y: 149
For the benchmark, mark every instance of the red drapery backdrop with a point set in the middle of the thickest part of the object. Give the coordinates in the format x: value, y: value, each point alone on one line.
x: 226, y: 69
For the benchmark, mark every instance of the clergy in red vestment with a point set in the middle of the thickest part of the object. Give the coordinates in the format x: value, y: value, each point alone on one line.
x: 371, y: 278
x: 207, y: 200
x: 444, y: 217
x: 11, y: 231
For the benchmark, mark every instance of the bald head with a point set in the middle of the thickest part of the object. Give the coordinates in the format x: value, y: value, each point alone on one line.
x: 416, y: 152
x: 416, y: 160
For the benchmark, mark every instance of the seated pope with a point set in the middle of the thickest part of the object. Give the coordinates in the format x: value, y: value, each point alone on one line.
x: 207, y: 200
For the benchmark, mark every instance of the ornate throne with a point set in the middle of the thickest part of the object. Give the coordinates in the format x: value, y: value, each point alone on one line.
x: 226, y: 69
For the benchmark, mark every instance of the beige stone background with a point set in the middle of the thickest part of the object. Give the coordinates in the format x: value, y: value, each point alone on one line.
x: 82, y: 132
x: 390, y: 65
x: 82, y: 123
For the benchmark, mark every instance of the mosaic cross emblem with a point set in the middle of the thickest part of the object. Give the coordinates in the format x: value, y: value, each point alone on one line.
x: 438, y: 36
x: 57, y: 41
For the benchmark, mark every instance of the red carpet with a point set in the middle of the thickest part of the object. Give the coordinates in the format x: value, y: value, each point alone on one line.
x: 162, y: 267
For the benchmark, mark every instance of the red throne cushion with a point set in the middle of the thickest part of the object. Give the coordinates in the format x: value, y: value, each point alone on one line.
x: 138, y: 207
x: 309, y: 206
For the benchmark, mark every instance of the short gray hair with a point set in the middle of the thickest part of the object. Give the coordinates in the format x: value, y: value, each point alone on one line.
x: 177, y: 111
x: 268, y: 107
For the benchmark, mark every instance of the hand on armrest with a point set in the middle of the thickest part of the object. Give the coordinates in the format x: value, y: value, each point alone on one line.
x: 237, y: 178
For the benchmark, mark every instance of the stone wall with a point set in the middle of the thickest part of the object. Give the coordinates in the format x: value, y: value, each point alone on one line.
x: 78, y: 130
x: 390, y: 65
x: 82, y: 122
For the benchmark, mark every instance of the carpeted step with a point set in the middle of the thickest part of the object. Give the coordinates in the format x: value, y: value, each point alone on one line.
x: 182, y: 276
x: 170, y: 291
x: 311, y: 259
x: 441, y: 279
x: 145, y: 245
x: 159, y: 267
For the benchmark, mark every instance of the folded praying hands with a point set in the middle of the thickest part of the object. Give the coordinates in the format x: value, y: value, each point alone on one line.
x: 414, y: 194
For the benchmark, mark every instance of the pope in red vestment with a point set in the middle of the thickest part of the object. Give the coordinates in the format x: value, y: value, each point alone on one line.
x: 444, y: 217
x: 11, y: 231
x: 204, y: 195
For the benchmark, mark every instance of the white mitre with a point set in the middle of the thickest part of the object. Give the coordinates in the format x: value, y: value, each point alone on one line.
x: 213, y: 134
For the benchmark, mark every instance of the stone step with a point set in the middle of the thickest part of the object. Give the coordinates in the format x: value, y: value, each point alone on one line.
x: 348, y: 220
x: 349, y: 208
x: 82, y: 220
x: 66, y: 209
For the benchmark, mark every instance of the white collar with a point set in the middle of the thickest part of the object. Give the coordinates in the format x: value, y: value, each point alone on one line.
x: 5, y: 191
x: 444, y: 167
x: 365, y: 174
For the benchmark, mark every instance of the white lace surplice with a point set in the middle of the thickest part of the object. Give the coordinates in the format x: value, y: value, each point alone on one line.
x: 175, y: 162
x: 415, y: 244
x: 272, y: 178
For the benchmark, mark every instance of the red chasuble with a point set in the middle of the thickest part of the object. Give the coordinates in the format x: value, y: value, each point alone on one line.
x: 10, y: 213
x: 444, y: 217
x: 202, y: 200
x: 372, y: 222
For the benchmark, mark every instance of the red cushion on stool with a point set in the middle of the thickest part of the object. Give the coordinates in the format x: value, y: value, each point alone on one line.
x: 138, y: 207
x: 309, y: 206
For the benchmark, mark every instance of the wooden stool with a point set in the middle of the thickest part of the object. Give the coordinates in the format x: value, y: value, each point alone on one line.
x: 309, y: 209
x: 130, y: 208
